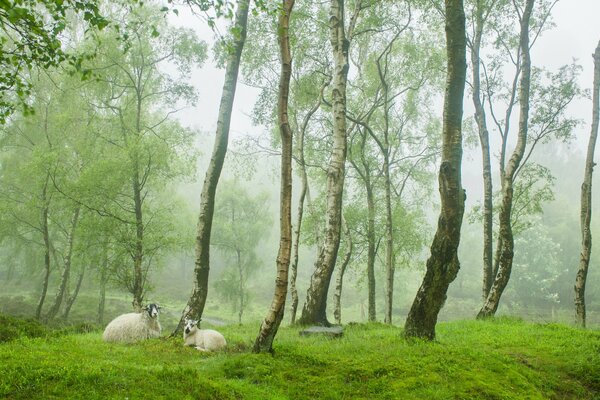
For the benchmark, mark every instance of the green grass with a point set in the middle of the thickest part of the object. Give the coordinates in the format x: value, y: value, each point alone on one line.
x: 496, y: 359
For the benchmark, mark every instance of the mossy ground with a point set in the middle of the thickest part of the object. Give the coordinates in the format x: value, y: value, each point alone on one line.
x: 496, y: 359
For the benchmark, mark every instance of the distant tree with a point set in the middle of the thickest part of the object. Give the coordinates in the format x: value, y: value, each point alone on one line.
x: 148, y: 145
x: 539, y: 269
x: 586, y: 198
x: 241, y: 222
x: 542, y: 99
x: 443, y: 263
x: 35, y: 154
x: 343, y: 262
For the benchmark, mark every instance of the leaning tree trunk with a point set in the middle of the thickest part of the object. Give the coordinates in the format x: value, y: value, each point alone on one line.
x: 339, y: 282
x: 197, y: 300
x: 304, y: 191
x: 443, y: 264
x: 315, y: 307
x: 506, y: 238
x: 46, y: 237
x: 71, y: 299
x: 586, y: 199
x: 270, y: 325
x: 64, y: 279
x: 488, y: 216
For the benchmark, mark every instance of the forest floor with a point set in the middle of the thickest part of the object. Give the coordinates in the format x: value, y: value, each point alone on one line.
x: 496, y: 359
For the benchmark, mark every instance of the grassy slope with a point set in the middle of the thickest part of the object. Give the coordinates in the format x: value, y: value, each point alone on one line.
x: 499, y: 359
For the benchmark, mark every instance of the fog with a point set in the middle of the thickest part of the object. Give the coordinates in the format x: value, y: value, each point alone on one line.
x: 547, y: 252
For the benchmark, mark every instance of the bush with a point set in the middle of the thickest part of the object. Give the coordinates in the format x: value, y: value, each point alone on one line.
x: 12, y: 328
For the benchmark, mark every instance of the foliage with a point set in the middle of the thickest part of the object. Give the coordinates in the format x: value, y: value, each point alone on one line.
x: 32, y: 34
x: 370, y: 361
x: 12, y: 328
x: 533, y: 189
x: 537, y: 269
x: 241, y: 222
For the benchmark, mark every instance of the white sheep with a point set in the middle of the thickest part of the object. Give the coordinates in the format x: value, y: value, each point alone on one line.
x: 131, y: 327
x: 202, y: 339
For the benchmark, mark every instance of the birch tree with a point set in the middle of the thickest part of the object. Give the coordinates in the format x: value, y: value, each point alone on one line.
x: 195, y: 304
x: 314, y: 310
x: 586, y: 199
x: 443, y: 264
x: 270, y: 325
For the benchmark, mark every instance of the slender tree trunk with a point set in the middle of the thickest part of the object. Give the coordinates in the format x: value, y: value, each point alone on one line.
x: 586, y: 199
x: 372, y: 308
x: 64, y: 279
x: 365, y: 176
x: 241, y: 286
x: 138, y: 255
x: 488, y: 275
x: 103, y: 281
x: 197, y: 300
x: 303, y: 194
x: 71, y: 299
x: 389, y: 236
x: 315, y: 307
x: 47, y: 249
x: 443, y: 264
x: 389, y: 243
x: 490, y: 305
x: 270, y: 325
x: 337, y: 296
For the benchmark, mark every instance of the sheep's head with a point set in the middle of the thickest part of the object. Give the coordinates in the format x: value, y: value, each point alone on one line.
x: 190, y: 325
x: 152, y: 310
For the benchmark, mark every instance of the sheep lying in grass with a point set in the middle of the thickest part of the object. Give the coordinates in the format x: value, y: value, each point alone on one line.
x: 202, y: 339
x: 131, y: 327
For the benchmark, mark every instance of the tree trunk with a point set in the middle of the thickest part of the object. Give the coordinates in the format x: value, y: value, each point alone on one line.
x: 270, y: 325
x: 241, y: 286
x: 64, y: 279
x: 71, y: 299
x: 480, y: 118
x: 365, y: 176
x: 103, y: 280
x: 443, y: 264
x: 138, y: 255
x: 46, y: 238
x: 197, y: 300
x: 315, y: 307
x: 586, y: 199
x: 303, y: 194
x: 506, y: 238
x: 389, y: 240
x: 372, y: 308
x: 337, y: 296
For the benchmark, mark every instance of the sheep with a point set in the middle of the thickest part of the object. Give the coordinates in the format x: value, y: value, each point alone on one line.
x: 202, y: 339
x: 131, y: 327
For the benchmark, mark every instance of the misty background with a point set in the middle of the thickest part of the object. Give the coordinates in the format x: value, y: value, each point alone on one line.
x: 546, y: 257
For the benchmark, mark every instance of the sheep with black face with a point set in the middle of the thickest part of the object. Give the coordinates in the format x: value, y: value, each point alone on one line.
x: 132, y: 327
x: 202, y: 339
